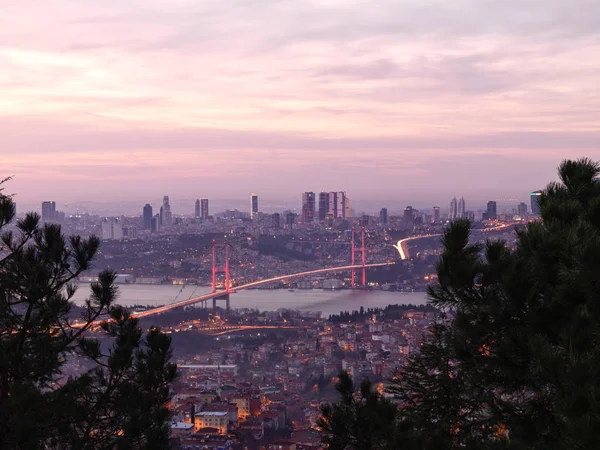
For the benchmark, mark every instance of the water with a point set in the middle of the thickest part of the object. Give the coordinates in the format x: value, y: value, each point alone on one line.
x: 328, y: 302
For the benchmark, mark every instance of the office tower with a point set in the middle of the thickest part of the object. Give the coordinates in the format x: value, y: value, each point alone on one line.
x: 155, y: 224
x: 535, y: 202
x: 436, y: 214
x: 308, y: 207
x: 323, y: 205
x: 112, y: 229
x: 491, y: 211
x: 197, y: 209
x: 347, y: 208
x: 461, y: 208
x: 290, y: 220
x: 340, y: 205
x: 166, y: 215
x: 204, y: 209
x: 409, y: 218
x: 364, y: 220
x: 48, y: 211
x: 522, y: 209
x: 383, y: 216
x: 453, y: 209
x: 147, y: 216
x: 253, y: 205
x: 333, y: 204
x: 160, y: 216
x: 275, y: 221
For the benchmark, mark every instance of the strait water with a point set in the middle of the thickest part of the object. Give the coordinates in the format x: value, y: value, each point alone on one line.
x: 328, y: 302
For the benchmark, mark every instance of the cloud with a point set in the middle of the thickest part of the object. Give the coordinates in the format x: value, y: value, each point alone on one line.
x: 281, y: 94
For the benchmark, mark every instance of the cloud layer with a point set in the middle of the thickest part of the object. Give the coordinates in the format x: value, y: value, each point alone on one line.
x: 392, y: 99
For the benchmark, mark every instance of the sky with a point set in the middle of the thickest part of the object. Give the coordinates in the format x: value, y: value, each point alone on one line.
x: 419, y: 101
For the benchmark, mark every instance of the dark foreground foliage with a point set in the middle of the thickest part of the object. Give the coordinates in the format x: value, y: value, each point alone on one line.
x: 518, y: 365
x: 121, y: 401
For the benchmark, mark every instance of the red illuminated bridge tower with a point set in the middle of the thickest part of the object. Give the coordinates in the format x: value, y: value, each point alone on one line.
x: 362, y: 257
x: 220, y: 265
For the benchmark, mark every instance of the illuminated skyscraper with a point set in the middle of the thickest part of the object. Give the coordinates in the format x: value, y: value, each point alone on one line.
x: 147, y: 216
x: 253, y: 205
x: 535, y: 202
x: 197, y: 209
x: 340, y: 205
x: 461, y: 208
x: 48, y: 211
x: 204, y: 209
x: 166, y: 215
x: 308, y: 207
x: 323, y: 205
x: 436, y: 214
x: 453, y: 209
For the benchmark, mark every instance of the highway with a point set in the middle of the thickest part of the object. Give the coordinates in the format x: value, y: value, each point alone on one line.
x: 220, y: 293
x: 403, y: 249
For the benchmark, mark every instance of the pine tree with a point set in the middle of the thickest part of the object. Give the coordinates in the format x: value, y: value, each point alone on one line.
x: 121, y: 401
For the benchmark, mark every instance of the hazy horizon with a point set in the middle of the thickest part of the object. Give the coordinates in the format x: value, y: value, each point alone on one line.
x: 128, y: 101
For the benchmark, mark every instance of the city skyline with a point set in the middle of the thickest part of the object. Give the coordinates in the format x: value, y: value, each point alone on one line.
x: 403, y: 97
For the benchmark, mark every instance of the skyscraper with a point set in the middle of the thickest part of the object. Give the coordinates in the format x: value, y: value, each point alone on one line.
x: 491, y: 210
x: 48, y: 211
x: 308, y: 207
x: 461, y: 208
x: 167, y: 217
x: 155, y: 224
x: 347, y: 208
x: 340, y: 205
x: 204, y: 209
x: 453, y: 209
x: 147, y: 216
x: 276, y: 220
x: 436, y: 214
x: 323, y: 205
x: 197, y: 209
x: 409, y: 218
x: 383, y: 216
x: 535, y: 202
x: 253, y: 205
x: 112, y: 229
x: 522, y: 209
x: 333, y: 204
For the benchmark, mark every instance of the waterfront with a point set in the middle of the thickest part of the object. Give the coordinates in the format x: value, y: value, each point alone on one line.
x: 328, y: 302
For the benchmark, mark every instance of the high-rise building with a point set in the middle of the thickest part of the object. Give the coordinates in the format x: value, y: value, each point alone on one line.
x: 347, y: 213
x: 323, y: 205
x: 383, y: 216
x: 522, y: 209
x: 147, y: 216
x: 204, y: 208
x: 308, y: 207
x: 166, y: 215
x: 461, y: 208
x: 253, y: 205
x: 290, y: 220
x: 197, y: 209
x: 453, y: 209
x: 340, y: 205
x: 491, y: 210
x: 409, y: 218
x: 155, y: 224
x: 112, y: 229
x: 333, y: 204
x: 436, y: 214
x: 535, y: 202
x: 276, y: 220
x: 48, y: 211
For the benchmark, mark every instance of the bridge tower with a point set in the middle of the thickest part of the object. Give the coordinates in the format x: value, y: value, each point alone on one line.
x: 220, y: 251
x: 362, y: 257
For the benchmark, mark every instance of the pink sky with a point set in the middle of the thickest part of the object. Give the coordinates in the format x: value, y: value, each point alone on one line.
x: 130, y: 100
